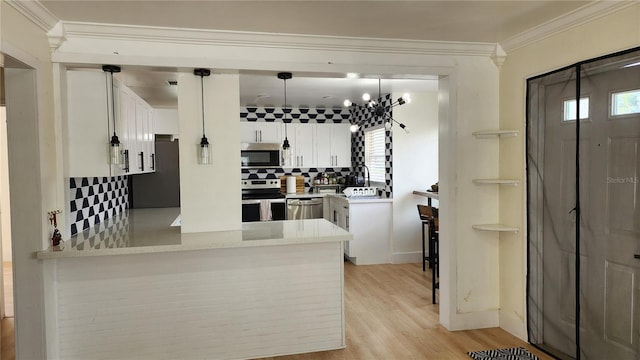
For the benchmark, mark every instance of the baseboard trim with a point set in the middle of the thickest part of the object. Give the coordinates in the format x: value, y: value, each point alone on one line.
x: 406, y: 257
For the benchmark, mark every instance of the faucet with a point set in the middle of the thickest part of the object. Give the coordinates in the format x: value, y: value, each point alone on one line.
x: 368, y: 175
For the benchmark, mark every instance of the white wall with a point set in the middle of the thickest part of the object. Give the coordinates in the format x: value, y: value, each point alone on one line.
x: 36, y: 183
x: 165, y: 121
x: 415, y: 167
x: 5, y: 203
x: 599, y: 37
x: 210, y: 194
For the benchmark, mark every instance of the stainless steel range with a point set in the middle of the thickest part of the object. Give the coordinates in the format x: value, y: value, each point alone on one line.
x: 262, y: 200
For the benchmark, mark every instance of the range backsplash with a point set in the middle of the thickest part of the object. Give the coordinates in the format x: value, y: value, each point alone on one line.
x: 95, y: 199
x: 308, y: 173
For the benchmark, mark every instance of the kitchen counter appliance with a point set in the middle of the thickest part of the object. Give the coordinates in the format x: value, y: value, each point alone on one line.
x: 304, y: 208
x: 262, y: 200
x: 254, y: 155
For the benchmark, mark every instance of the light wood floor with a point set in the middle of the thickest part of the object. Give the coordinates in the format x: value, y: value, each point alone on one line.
x: 389, y: 315
x: 7, y: 347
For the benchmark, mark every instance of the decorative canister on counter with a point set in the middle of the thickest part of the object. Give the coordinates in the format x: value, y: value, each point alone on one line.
x: 291, y: 185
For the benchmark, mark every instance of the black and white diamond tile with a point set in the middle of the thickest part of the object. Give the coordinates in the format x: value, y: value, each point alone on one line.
x: 364, y: 117
x: 95, y: 199
x: 517, y: 353
x: 296, y: 115
x: 308, y: 173
x: 111, y: 233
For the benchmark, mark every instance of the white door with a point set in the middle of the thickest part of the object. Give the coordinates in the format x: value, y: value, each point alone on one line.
x: 610, y: 230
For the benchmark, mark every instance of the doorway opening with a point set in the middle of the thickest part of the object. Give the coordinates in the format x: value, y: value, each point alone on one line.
x: 583, y: 161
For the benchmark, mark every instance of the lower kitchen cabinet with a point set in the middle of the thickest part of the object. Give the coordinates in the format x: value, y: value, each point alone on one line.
x: 369, y: 220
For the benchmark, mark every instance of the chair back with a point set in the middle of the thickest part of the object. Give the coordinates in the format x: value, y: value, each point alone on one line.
x: 427, y: 212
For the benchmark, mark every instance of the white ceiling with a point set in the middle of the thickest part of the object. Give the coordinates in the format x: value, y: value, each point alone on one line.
x: 451, y: 20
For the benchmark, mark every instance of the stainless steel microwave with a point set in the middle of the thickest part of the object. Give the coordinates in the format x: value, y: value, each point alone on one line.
x: 260, y: 155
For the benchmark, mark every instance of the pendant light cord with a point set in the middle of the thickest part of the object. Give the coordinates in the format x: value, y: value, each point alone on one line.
x: 284, y: 109
x: 113, y: 105
x: 202, y: 101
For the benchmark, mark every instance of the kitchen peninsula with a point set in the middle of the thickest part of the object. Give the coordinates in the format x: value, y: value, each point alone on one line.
x: 132, y: 290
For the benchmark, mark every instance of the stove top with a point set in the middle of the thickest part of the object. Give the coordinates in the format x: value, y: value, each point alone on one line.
x: 259, y: 189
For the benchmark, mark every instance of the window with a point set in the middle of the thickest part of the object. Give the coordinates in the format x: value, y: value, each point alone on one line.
x: 374, y: 158
x: 570, y: 109
x: 625, y: 103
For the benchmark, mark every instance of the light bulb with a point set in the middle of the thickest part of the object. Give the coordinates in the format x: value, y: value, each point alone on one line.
x: 354, y: 128
x: 387, y: 125
x: 347, y: 103
x: 366, y: 97
x: 406, y: 97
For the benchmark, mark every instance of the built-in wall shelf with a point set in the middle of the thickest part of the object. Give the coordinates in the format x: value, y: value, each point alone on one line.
x: 496, y: 227
x: 495, y: 133
x: 513, y: 182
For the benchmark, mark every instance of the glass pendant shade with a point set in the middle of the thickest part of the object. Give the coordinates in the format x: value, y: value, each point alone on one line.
x: 286, y: 152
x: 115, y: 151
x: 204, y: 152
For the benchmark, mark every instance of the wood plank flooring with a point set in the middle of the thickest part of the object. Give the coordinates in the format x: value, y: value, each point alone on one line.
x: 389, y: 315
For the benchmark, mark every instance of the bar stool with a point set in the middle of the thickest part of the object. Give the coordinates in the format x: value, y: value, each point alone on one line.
x: 429, y: 217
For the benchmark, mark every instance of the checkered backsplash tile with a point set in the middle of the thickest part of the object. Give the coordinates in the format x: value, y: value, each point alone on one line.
x: 295, y: 115
x: 96, y: 199
x: 111, y: 233
x: 364, y: 116
x: 308, y: 173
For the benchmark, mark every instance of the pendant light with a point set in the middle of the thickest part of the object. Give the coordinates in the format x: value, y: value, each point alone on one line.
x: 115, y: 152
x: 203, y: 150
x: 286, y: 148
x: 380, y: 111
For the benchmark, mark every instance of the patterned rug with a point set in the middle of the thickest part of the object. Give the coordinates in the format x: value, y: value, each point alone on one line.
x: 503, y: 354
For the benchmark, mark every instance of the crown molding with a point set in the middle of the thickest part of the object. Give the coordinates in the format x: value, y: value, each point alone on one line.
x: 165, y: 35
x: 36, y: 12
x: 582, y: 15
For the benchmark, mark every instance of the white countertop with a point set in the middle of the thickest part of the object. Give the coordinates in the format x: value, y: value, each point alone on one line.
x: 144, y: 231
x: 304, y: 195
x: 361, y: 199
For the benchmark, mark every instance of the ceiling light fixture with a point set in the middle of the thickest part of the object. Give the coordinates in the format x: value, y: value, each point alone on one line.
x: 380, y: 111
x: 115, y: 153
x: 204, y: 150
x: 286, y: 148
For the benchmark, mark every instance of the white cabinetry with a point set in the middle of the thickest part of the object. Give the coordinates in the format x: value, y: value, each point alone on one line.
x: 89, y: 128
x: 260, y: 132
x: 333, y: 145
x: 371, y: 242
x: 302, y: 140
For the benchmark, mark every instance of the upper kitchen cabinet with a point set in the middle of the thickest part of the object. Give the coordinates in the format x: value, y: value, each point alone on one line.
x: 302, y: 138
x: 89, y: 127
x: 260, y: 132
x: 333, y: 145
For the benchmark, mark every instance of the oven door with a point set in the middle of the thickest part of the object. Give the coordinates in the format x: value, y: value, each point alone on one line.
x: 264, y: 210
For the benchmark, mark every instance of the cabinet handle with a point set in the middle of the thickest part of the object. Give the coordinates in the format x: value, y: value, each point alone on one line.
x: 260, y: 135
x: 636, y: 256
x: 153, y: 161
x: 141, y: 160
x: 347, y: 223
x: 335, y: 216
x: 336, y: 163
x: 301, y: 161
x: 255, y: 135
x: 125, y: 153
